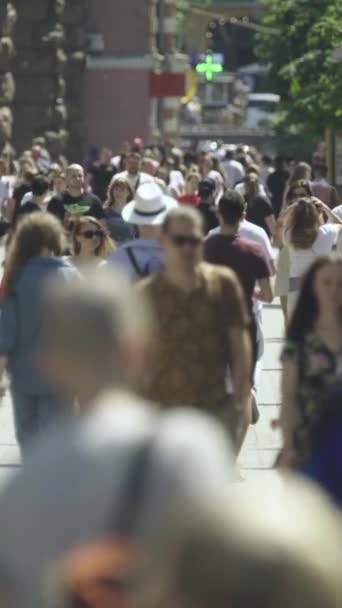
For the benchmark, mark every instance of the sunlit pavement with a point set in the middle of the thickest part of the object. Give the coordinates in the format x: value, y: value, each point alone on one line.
x: 262, y: 443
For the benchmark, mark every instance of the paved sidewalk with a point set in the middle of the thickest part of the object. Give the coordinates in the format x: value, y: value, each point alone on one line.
x: 262, y: 443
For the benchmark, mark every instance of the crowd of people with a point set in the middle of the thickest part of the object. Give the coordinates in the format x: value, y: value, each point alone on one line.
x: 130, y: 330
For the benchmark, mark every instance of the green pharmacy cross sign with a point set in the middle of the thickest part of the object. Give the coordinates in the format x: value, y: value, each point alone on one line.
x: 209, y: 67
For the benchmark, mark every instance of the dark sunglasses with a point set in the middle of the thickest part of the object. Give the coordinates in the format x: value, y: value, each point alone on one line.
x: 90, y: 234
x: 179, y: 240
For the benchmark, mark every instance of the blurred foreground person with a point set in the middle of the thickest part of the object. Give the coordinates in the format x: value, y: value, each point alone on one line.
x: 284, y: 552
x: 96, y: 335
x: 74, y: 524
x: 34, y: 258
x: 202, y: 328
x: 312, y: 362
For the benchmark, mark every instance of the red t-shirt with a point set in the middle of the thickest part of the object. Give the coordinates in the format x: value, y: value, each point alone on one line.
x: 189, y: 199
x: 245, y: 257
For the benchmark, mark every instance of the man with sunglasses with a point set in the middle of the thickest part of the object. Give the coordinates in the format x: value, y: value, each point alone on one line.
x: 201, y: 322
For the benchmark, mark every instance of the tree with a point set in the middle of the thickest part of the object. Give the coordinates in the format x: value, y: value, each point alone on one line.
x: 184, y: 6
x: 299, y: 46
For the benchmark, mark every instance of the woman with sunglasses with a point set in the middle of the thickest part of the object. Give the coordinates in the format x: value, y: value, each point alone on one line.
x: 91, y: 244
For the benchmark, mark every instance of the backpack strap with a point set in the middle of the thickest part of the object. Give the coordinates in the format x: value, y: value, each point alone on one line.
x: 133, y: 490
x: 134, y: 262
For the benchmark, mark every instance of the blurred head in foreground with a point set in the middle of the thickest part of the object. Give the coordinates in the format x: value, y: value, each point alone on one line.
x: 95, y: 335
x: 77, y: 522
x: 276, y: 549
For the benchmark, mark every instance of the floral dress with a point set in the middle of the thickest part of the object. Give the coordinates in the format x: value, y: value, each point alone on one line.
x: 318, y: 369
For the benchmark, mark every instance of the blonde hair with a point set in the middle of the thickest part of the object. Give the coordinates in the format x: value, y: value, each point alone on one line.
x: 106, y: 245
x: 121, y: 181
x: 231, y: 555
x: 182, y: 214
x: 34, y: 233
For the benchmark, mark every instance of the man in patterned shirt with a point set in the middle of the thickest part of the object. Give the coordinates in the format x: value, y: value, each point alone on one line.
x: 202, y: 329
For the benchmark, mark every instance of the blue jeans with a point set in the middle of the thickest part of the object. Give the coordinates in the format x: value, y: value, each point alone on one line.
x: 34, y: 414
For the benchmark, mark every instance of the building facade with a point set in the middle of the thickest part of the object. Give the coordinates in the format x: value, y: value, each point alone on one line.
x: 127, y: 41
x: 77, y: 72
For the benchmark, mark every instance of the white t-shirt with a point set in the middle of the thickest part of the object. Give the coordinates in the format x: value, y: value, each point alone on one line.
x: 6, y: 188
x: 241, y: 188
x: 301, y: 259
x: 135, y: 180
x: 234, y: 172
x: 338, y: 211
x: 27, y: 198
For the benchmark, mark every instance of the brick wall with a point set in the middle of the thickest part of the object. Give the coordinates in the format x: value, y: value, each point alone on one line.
x: 117, y: 106
x: 117, y: 103
x: 125, y: 25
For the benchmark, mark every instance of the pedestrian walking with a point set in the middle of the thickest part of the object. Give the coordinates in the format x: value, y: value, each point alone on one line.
x: 311, y: 360
x: 191, y: 197
x: 297, y: 190
x: 202, y: 328
x: 307, y: 236
x: 142, y: 256
x: 244, y: 257
x: 276, y: 184
x: 34, y: 258
x: 233, y: 169
x: 76, y: 521
x: 133, y: 173
x: 119, y: 194
x: 37, y: 199
x: 206, y: 205
x: 101, y: 174
x: 322, y: 189
x: 259, y: 210
x: 76, y: 200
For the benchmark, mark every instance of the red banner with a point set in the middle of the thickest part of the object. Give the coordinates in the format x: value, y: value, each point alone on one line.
x: 168, y: 84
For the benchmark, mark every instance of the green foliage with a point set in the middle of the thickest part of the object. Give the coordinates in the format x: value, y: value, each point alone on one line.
x: 184, y: 5
x: 303, y: 71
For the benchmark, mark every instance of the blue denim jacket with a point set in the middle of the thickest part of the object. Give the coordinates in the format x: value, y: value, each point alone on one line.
x: 21, y: 321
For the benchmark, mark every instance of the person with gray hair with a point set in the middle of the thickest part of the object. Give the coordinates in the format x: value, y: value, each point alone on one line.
x: 95, y: 333
x: 75, y: 521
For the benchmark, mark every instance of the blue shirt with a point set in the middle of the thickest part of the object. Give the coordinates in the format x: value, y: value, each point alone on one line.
x: 148, y: 254
x: 21, y: 320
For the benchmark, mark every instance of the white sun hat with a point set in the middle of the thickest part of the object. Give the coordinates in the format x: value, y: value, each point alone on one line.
x: 149, y: 206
